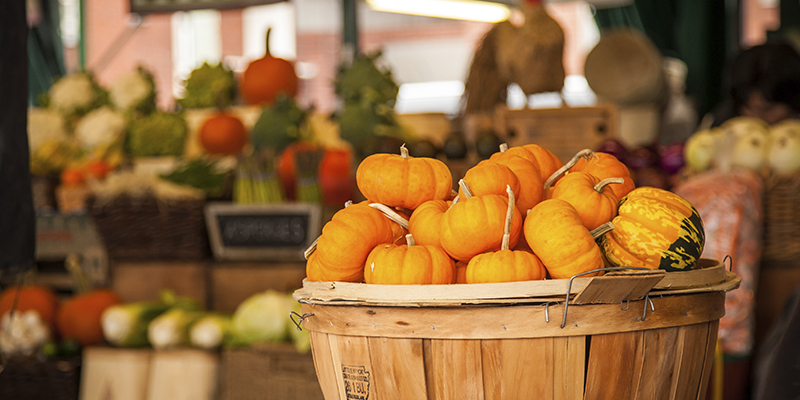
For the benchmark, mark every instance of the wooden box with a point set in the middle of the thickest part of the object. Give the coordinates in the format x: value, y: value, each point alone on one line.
x: 268, y: 372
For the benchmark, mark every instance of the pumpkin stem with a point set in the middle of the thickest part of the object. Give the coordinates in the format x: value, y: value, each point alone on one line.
x: 391, y: 214
x: 348, y: 203
x: 455, y: 201
x: 585, y: 153
x: 503, y: 147
x: 403, y: 151
x: 266, y: 47
x: 465, y: 188
x: 605, y: 182
x: 310, y: 250
x: 410, y: 240
x: 509, y: 218
x: 602, y: 230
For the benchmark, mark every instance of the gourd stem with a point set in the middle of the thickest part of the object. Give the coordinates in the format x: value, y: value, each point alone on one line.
x: 503, y: 147
x: 410, y: 240
x: 602, y: 230
x: 403, y: 151
x: 509, y: 218
x: 310, y: 250
x: 585, y: 153
x: 465, y: 188
x: 605, y: 182
x: 455, y: 201
x: 391, y: 214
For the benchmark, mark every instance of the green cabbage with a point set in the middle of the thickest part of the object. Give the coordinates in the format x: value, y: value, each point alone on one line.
x: 158, y: 134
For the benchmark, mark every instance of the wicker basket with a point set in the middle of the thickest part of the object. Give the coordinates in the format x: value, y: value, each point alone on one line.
x: 782, y: 221
x: 31, y: 378
x: 150, y: 229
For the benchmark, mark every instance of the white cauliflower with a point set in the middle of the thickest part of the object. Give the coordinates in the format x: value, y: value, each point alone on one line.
x: 100, y: 128
x: 73, y: 92
x: 23, y: 334
x: 132, y: 90
x: 44, y: 125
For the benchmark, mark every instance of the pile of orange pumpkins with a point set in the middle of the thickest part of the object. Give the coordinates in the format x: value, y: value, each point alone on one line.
x: 520, y: 215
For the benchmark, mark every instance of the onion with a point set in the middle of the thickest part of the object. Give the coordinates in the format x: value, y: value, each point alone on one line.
x: 672, y: 158
x: 784, y: 151
x: 642, y: 157
x: 614, y: 147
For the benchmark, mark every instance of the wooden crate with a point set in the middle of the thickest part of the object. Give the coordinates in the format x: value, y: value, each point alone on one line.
x: 146, y: 374
x: 644, y: 339
x: 268, y: 372
x: 564, y: 130
x: 142, y: 281
x: 233, y: 282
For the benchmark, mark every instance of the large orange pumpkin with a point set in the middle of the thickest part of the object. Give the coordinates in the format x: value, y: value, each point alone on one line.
x: 409, y: 264
x: 505, y: 265
x: 426, y: 222
x: 79, y: 317
x: 557, y: 236
x: 347, y: 240
x: 604, y: 165
x: 476, y: 224
x: 267, y: 77
x: 39, y: 298
x: 592, y: 198
x: 403, y: 181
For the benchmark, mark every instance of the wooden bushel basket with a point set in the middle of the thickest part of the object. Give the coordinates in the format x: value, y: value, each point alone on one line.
x: 625, y: 335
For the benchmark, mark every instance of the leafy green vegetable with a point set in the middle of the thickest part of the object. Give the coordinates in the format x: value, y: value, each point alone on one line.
x: 279, y: 125
x: 158, y: 134
x: 363, y: 72
x: 263, y: 317
x: 202, y: 174
x: 209, y: 86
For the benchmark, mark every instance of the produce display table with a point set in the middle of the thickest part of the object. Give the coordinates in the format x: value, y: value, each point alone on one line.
x: 632, y: 335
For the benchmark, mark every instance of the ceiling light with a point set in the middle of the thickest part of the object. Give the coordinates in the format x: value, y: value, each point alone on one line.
x: 454, y: 9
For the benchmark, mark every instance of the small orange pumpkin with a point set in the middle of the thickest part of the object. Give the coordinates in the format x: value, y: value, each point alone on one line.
x: 604, y: 165
x: 546, y: 162
x: 39, y: 298
x: 476, y: 224
x: 223, y: 133
x: 461, y: 271
x: 531, y: 187
x: 489, y: 177
x: 426, y: 222
x: 556, y: 234
x: 267, y: 77
x: 594, y: 201
x: 409, y: 264
x: 403, y: 181
x: 347, y: 240
x: 505, y: 265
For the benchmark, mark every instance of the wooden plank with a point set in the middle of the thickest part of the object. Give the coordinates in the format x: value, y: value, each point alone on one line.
x: 506, y: 322
x: 143, y: 281
x: 711, y: 345
x: 613, y: 288
x: 690, y: 359
x: 185, y: 374
x: 353, y: 367
x: 453, y: 369
x: 399, y: 368
x: 324, y: 365
x: 119, y: 374
x: 569, y: 367
x: 231, y: 283
x: 658, y: 368
x: 615, y: 363
x: 708, y: 272
x: 518, y: 368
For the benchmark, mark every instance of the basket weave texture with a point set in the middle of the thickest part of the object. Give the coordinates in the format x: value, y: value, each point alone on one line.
x: 33, y: 379
x: 782, y: 221
x: 151, y: 229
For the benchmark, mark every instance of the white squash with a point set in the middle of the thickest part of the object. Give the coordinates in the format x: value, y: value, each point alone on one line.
x: 700, y: 150
x: 784, y: 149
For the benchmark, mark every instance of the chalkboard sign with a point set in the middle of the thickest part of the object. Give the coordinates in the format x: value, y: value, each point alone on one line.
x: 262, y: 232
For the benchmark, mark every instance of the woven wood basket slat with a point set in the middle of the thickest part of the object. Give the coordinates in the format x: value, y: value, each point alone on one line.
x: 782, y: 220
x: 149, y: 229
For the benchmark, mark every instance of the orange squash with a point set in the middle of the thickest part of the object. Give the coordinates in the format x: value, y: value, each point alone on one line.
x: 267, y: 77
x: 347, y: 240
x: 426, y: 222
x: 79, y: 317
x: 505, y: 265
x: 557, y: 236
x: 592, y: 198
x: 531, y: 187
x: 475, y: 224
x: 409, y: 264
x: 223, y: 133
x: 604, y: 165
x: 403, y: 181
x: 39, y: 298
